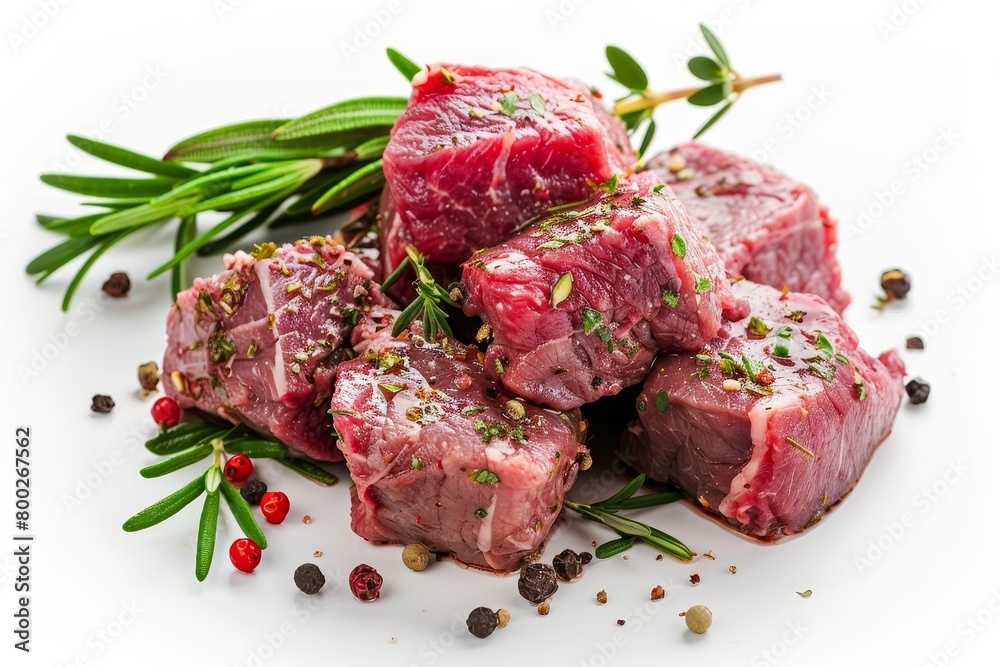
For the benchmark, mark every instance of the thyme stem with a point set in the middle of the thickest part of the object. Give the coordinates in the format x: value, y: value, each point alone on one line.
x: 651, y: 100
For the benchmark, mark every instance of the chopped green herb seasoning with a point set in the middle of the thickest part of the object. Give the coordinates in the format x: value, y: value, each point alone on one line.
x: 796, y: 316
x: 757, y: 327
x: 703, y: 284
x: 416, y: 464
x: 678, y: 245
x: 562, y: 289
x: 537, y: 104
x: 824, y: 345
x: 611, y: 185
x: 483, y: 476
x: 859, y: 386
x: 264, y: 250
x: 784, y: 338
x: 509, y: 104
x: 670, y: 298
x: 590, y: 318
x: 662, y: 401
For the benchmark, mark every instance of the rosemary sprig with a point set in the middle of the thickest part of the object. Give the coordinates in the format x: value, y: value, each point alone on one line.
x: 429, y: 298
x: 322, y: 162
x: 723, y: 85
x: 187, y: 444
x: 606, y: 512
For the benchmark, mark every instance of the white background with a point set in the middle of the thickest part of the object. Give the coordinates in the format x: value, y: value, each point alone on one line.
x: 878, y: 95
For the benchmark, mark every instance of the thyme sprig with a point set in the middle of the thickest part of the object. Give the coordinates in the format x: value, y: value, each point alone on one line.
x: 723, y: 85
x: 187, y: 444
x: 606, y: 512
x: 427, y: 304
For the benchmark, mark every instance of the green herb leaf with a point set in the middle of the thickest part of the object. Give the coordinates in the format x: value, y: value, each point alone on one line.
x: 406, y: 67
x: 102, y: 247
x: 627, y: 71
x: 344, y: 116
x: 309, y: 470
x: 625, y: 526
x: 711, y: 121
x: 662, y: 401
x: 130, y: 159
x: 859, y: 386
x: 623, y: 494
x: 206, y: 535
x: 430, y: 297
x: 702, y: 284
x: 101, y: 186
x: 705, y: 68
x: 226, y: 141
x: 757, y: 327
x: 509, y: 103
x: 562, y: 289
x: 678, y: 245
x: 590, y: 318
x: 70, y: 226
x: 243, y: 514
x: 823, y: 344
x: 367, y: 179
x: 178, y: 461
x: 783, y: 341
x: 714, y: 44
x: 614, y: 547
x: 61, y: 254
x: 183, y: 436
x: 166, y: 508
x: 257, y: 449
x: 670, y: 298
x: 649, y: 500
x: 647, y: 138
x: 537, y: 103
x: 186, y: 232
x: 711, y: 95
x: 484, y: 476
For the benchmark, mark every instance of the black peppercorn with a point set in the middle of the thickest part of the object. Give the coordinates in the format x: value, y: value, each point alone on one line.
x: 896, y: 284
x: 918, y: 391
x: 537, y: 582
x: 253, y: 491
x: 101, y: 403
x: 568, y: 565
x: 117, y: 285
x: 458, y: 292
x: 309, y: 578
x: 482, y: 622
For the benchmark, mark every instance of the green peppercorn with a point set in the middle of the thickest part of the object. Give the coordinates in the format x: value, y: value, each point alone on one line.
x: 698, y: 618
x: 416, y: 557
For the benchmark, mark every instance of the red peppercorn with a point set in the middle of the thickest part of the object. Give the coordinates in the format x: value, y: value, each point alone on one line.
x: 365, y: 582
x: 166, y: 412
x: 238, y: 468
x: 245, y: 554
x: 274, y: 505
